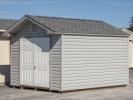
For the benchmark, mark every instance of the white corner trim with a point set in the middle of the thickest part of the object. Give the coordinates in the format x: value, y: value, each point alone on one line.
x: 61, y: 62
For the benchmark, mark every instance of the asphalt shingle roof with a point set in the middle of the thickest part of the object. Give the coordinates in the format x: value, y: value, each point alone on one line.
x: 6, y: 23
x: 82, y: 26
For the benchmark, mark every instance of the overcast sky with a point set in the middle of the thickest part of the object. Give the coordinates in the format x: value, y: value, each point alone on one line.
x: 115, y: 12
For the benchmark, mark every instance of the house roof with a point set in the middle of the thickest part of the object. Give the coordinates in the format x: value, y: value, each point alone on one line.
x: 58, y: 25
x: 82, y: 26
x: 6, y: 23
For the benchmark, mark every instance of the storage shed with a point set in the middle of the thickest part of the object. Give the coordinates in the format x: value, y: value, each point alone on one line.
x: 65, y: 54
x: 5, y: 51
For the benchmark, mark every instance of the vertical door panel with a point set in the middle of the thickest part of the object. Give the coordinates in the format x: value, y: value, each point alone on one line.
x: 41, y: 62
x: 26, y: 57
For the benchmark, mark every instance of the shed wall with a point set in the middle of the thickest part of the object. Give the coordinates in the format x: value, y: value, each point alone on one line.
x: 32, y: 30
x: 91, y: 62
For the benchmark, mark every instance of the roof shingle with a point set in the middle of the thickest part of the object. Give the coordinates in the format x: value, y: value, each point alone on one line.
x: 6, y: 23
x: 82, y: 26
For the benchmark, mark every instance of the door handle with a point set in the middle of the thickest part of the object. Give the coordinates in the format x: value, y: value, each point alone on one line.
x: 34, y: 67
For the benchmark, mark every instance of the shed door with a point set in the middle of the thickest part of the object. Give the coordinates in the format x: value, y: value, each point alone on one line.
x: 26, y: 61
x: 41, y: 62
x: 35, y: 62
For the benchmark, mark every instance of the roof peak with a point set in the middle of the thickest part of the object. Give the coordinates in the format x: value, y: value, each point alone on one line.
x: 67, y: 18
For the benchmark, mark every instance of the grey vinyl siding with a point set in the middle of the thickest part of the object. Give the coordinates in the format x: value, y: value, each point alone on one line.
x: 55, y: 83
x: 91, y: 62
x: 14, y: 69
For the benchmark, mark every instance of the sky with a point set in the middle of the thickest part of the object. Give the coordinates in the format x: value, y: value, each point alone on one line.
x: 115, y: 12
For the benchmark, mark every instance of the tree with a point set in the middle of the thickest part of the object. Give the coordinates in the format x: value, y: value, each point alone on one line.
x: 131, y: 24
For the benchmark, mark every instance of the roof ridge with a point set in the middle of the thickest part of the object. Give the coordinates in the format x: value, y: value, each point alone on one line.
x: 66, y: 18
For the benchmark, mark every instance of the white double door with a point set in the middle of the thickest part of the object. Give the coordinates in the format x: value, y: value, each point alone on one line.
x: 34, y: 61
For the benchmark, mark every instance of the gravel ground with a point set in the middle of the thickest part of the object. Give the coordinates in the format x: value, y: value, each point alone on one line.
x: 119, y: 93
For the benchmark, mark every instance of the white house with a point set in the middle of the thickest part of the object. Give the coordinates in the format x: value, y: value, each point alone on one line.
x: 130, y: 47
x: 5, y: 51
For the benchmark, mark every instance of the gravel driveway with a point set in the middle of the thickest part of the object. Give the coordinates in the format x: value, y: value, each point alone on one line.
x: 120, y: 93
